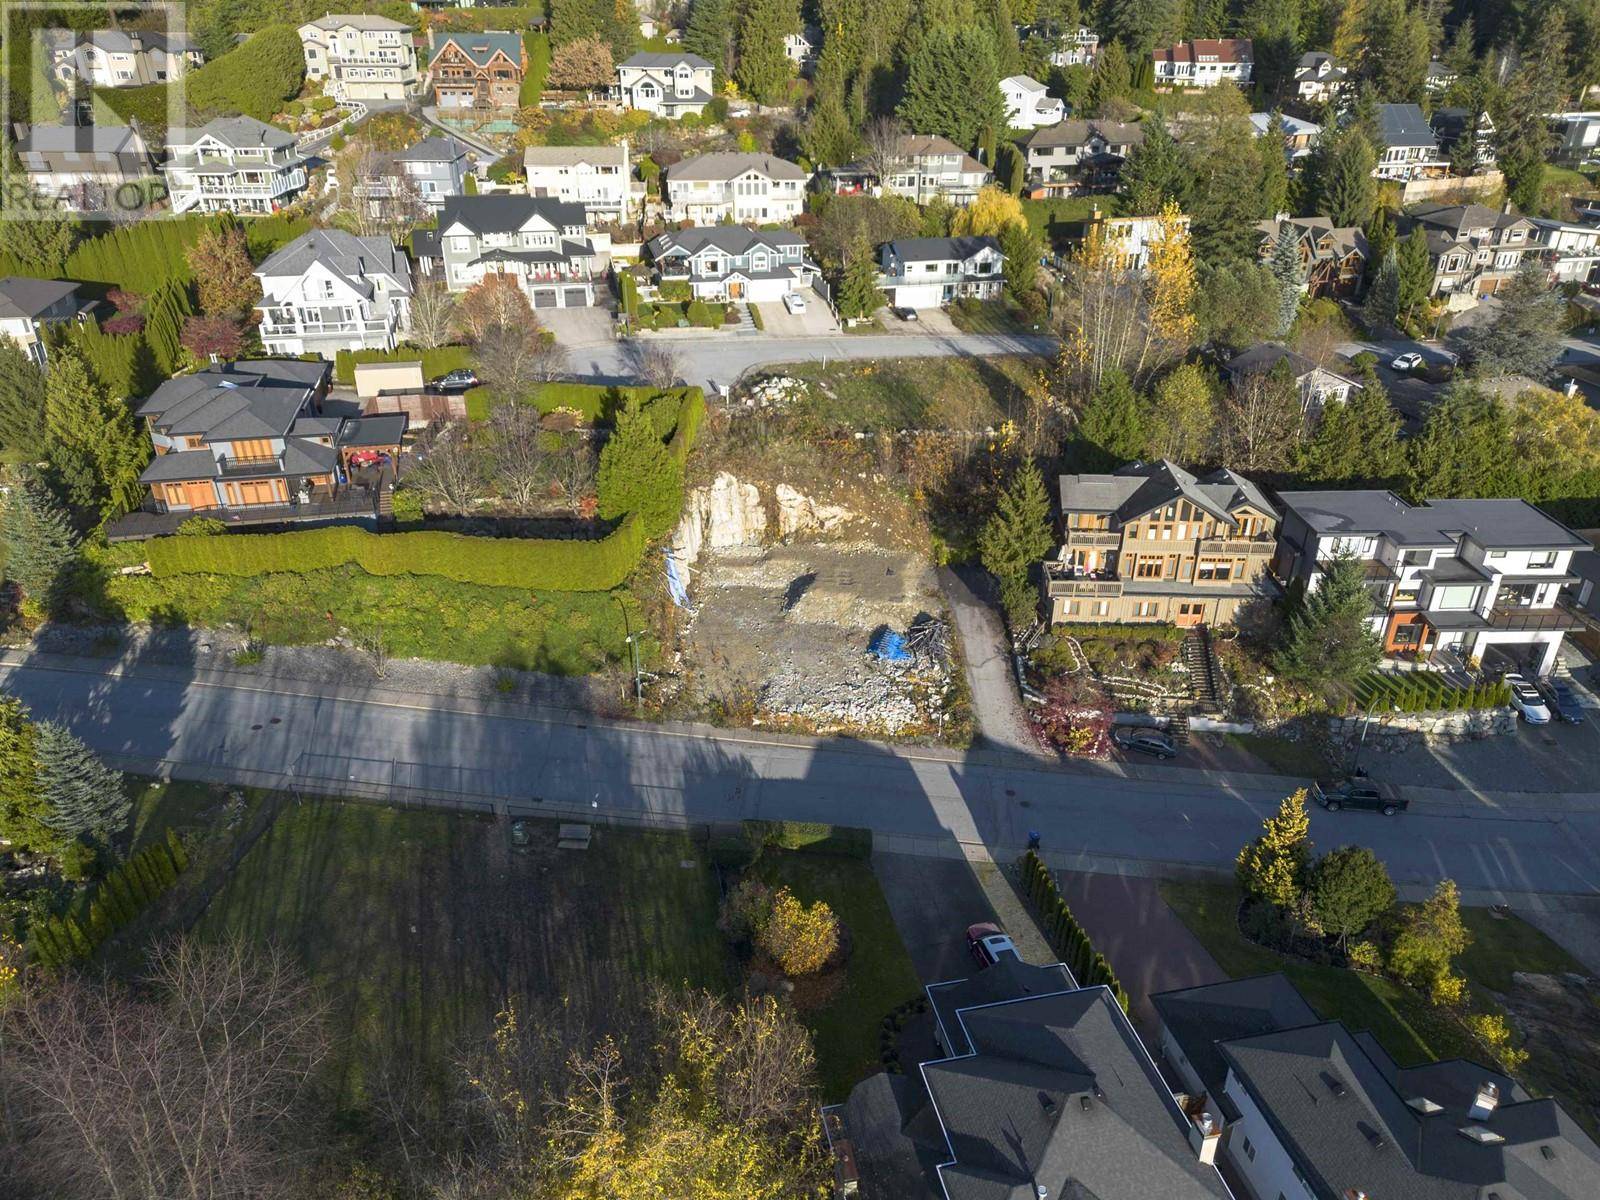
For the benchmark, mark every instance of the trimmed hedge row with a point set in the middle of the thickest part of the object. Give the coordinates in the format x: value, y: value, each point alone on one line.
x: 436, y: 362
x: 1067, y: 938
x: 121, y: 896
x: 1422, y: 691
x: 539, y: 564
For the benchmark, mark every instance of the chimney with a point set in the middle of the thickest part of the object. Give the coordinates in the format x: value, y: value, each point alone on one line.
x: 1485, y: 1102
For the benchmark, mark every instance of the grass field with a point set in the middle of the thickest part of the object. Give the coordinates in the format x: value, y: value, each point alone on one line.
x: 915, y: 393
x: 878, y: 976
x: 421, y: 925
x: 1502, y: 945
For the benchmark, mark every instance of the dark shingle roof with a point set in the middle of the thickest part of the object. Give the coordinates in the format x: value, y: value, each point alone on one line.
x: 1403, y: 125
x: 1135, y: 489
x: 1076, y: 133
x: 935, y: 249
x: 1496, y: 523
x: 508, y: 213
x: 350, y: 257
x: 652, y: 61
x: 239, y: 132
x: 259, y: 399
x: 1200, y: 1017
x: 22, y: 298
x: 730, y: 239
x: 434, y: 149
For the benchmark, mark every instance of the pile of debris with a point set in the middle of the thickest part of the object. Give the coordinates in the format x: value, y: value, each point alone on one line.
x: 871, y: 695
x: 777, y: 391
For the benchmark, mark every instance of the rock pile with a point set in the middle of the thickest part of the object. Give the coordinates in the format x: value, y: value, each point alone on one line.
x: 776, y: 391
x: 864, y: 697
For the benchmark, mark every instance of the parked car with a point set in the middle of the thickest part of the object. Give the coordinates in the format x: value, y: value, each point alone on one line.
x: 456, y: 381
x: 1526, y: 700
x: 1145, y: 741
x: 988, y: 945
x: 794, y: 302
x: 1409, y: 361
x: 1562, y: 701
x: 1358, y: 792
x: 520, y: 837
x: 905, y: 314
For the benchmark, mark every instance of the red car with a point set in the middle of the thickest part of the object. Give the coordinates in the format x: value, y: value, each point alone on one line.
x: 988, y: 945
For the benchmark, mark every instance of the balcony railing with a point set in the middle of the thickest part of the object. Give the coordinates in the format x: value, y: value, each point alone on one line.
x: 1086, y: 587
x: 1093, y: 539
x: 1534, y: 620
x: 1251, y: 545
x: 264, y: 464
x: 325, y: 329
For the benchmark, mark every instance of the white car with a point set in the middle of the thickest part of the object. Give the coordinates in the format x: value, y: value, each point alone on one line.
x: 1525, y: 698
x: 794, y: 302
x: 1409, y: 361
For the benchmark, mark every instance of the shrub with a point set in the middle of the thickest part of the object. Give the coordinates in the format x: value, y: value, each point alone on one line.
x: 1364, y: 956
x: 406, y: 505
x: 201, y: 527
x: 812, y: 837
x: 800, y: 939
x: 745, y: 910
x: 702, y: 314
x: 1492, y: 1030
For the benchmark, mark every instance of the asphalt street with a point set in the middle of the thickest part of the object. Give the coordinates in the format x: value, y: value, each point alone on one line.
x: 571, y: 760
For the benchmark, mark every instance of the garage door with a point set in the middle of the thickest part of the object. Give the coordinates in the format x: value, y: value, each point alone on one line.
x: 544, y: 298
x: 575, y: 298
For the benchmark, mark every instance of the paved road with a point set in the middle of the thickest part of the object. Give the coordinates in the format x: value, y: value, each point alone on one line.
x: 718, y: 360
x: 1095, y: 813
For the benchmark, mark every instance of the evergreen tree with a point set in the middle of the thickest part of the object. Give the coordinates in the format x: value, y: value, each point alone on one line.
x: 710, y: 33
x: 1113, y: 78
x: 953, y: 85
x: 1156, y: 171
x: 1380, y: 236
x: 1394, y: 51
x: 1348, y: 191
x: 1274, y: 197
x: 81, y: 794
x: 1290, y: 274
x: 1273, y: 867
x: 574, y: 19
x: 1015, y: 538
x: 637, y: 475
x: 1462, y: 448
x: 1415, y: 271
x: 1382, y: 309
x: 95, y: 453
x: 1225, y: 199
x: 21, y: 404
x: 1003, y: 33
x: 1110, y: 429
x: 1537, y: 88
x: 1524, y: 335
x: 41, y: 546
x: 858, y: 288
x: 1138, y: 25
x: 1016, y: 170
x: 1350, y: 889
x: 765, y: 72
x: 1020, y: 245
x: 1356, y: 443
x: 22, y: 808
x: 1328, y: 639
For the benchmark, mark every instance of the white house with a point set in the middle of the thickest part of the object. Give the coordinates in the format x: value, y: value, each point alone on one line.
x: 542, y: 243
x: 1076, y: 48
x: 1571, y: 253
x: 27, y: 306
x: 727, y: 262
x: 734, y: 186
x: 1127, y: 240
x: 1028, y: 104
x: 113, y: 58
x: 1318, y: 77
x: 670, y: 85
x: 329, y: 290
x: 930, y: 272
x: 361, y: 57
x: 1204, y: 62
x: 923, y: 167
x: 234, y: 164
x: 1460, y: 577
x: 1407, y: 146
x: 802, y: 48
x: 1318, y: 387
x: 1298, y: 135
x: 596, y: 177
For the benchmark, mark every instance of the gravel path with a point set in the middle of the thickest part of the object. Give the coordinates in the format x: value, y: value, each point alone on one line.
x: 995, y: 700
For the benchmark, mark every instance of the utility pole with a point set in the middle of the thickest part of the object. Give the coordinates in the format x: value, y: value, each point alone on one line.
x: 633, y: 653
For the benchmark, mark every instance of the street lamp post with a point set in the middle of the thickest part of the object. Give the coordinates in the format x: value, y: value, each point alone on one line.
x: 633, y: 652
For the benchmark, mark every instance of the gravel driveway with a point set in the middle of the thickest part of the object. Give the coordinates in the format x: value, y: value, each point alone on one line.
x: 995, y: 701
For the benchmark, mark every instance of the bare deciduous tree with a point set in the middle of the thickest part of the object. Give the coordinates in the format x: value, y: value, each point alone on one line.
x: 495, y: 300
x: 450, y: 475
x: 518, y: 455
x: 375, y: 195
x: 573, y: 470
x: 194, y: 1089
x: 882, y: 137
x: 657, y: 364
x: 433, y: 313
x: 1261, y: 422
x: 515, y: 357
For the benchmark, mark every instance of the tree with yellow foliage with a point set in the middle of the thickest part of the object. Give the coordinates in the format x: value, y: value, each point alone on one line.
x: 1273, y: 867
x: 800, y: 939
x: 991, y: 211
x: 1170, y: 278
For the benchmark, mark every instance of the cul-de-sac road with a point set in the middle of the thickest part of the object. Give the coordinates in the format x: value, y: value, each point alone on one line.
x: 221, y: 724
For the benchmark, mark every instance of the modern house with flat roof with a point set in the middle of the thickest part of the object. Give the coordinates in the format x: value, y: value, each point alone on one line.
x: 84, y: 167
x: 1452, y: 578
x: 1407, y: 146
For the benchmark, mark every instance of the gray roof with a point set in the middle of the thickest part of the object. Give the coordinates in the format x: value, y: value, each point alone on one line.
x: 1076, y: 133
x: 1200, y: 1017
x: 351, y: 258
x: 259, y: 399
x: 241, y: 133
x: 1457, y: 219
x: 357, y: 21
x: 58, y: 149
x: 940, y: 248
x: 180, y: 467
x: 120, y: 41
x: 1342, y: 239
x: 730, y: 164
x: 22, y: 298
x: 1496, y: 524
x: 1265, y: 356
x: 1403, y: 125
x: 1137, y: 488
x: 479, y: 47
x: 652, y: 61
x: 1008, y: 979
x: 1059, y: 1093
x: 440, y: 148
x: 1339, y: 1105
x: 730, y: 239
x: 507, y: 213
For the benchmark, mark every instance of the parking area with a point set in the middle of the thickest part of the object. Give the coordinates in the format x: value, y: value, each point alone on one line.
x: 933, y: 900
x: 1537, y: 758
x: 576, y: 327
x: 929, y: 321
x: 816, y: 321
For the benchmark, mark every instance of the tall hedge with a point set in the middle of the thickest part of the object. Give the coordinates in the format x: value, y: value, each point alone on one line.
x: 1068, y: 939
x: 254, y: 79
x: 436, y: 362
x: 538, y: 48
x: 121, y: 896
x: 123, y: 363
x: 139, y: 257
x: 540, y: 564
x: 164, y: 316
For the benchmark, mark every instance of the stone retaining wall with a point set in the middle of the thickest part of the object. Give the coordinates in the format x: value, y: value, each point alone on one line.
x: 1470, y: 724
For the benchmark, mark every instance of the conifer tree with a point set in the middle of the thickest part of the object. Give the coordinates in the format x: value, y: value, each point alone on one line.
x: 41, y: 545
x: 1273, y: 867
x: 82, y: 795
x: 1414, y: 270
x: 637, y: 475
x: 858, y: 288
x: 1348, y: 192
x: 1014, y: 539
x: 1156, y: 172
x: 764, y: 72
x: 21, y: 404
x: 1329, y: 638
x: 95, y: 453
x: 1290, y: 273
x: 22, y: 808
x: 1382, y: 308
x: 1111, y: 429
x: 953, y: 85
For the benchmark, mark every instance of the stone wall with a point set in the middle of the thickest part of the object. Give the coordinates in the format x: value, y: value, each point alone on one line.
x: 727, y: 513
x: 1470, y: 724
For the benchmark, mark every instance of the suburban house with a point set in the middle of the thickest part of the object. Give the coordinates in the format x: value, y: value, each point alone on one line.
x: 1407, y: 148
x: 1151, y: 542
x: 929, y: 272
x: 1309, y: 1110
x: 1317, y: 386
x: 1074, y: 158
x: 476, y: 70
x: 360, y: 57
x: 329, y: 290
x: 1028, y: 104
x: 82, y: 167
x: 1580, y: 138
x: 596, y: 177
x: 1126, y: 240
x: 27, y: 306
x: 1043, y: 1089
x: 734, y: 186
x: 803, y: 47
x: 1334, y: 257
x: 1439, y: 77
x: 925, y: 166
x: 1073, y: 47
x: 113, y: 58
x: 1297, y: 134
x: 541, y: 242
x: 670, y: 84
x: 1318, y: 78
x: 428, y: 172
x: 1571, y: 253
x: 259, y: 441
x: 1204, y: 63
x: 1450, y: 125
x: 729, y: 262
x: 1449, y: 578
x: 1475, y: 250
x: 233, y: 164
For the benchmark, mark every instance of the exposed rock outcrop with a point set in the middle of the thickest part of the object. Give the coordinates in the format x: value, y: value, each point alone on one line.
x: 727, y: 514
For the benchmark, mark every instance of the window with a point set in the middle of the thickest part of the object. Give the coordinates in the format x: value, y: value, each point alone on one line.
x: 1492, y: 554
x: 1249, y: 1150
x: 1214, y: 571
x: 1458, y: 597
x: 1145, y: 608
x: 1102, y: 608
x: 1541, y: 561
x: 1148, y: 568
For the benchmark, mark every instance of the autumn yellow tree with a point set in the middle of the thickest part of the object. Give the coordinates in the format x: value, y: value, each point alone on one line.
x: 1273, y: 867
x: 1170, y: 279
x: 991, y: 210
x: 799, y: 938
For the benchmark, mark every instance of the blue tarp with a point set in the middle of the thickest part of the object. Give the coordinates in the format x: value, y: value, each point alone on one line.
x: 675, y: 588
x: 889, y: 646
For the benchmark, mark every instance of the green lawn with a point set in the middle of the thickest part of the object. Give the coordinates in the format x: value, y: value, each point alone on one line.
x: 915, y: 393
x: 1284, y: 757
x: 989, y: 316
x: 1502, y: 945
x: 421, y: 925
x: 878, y: 976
